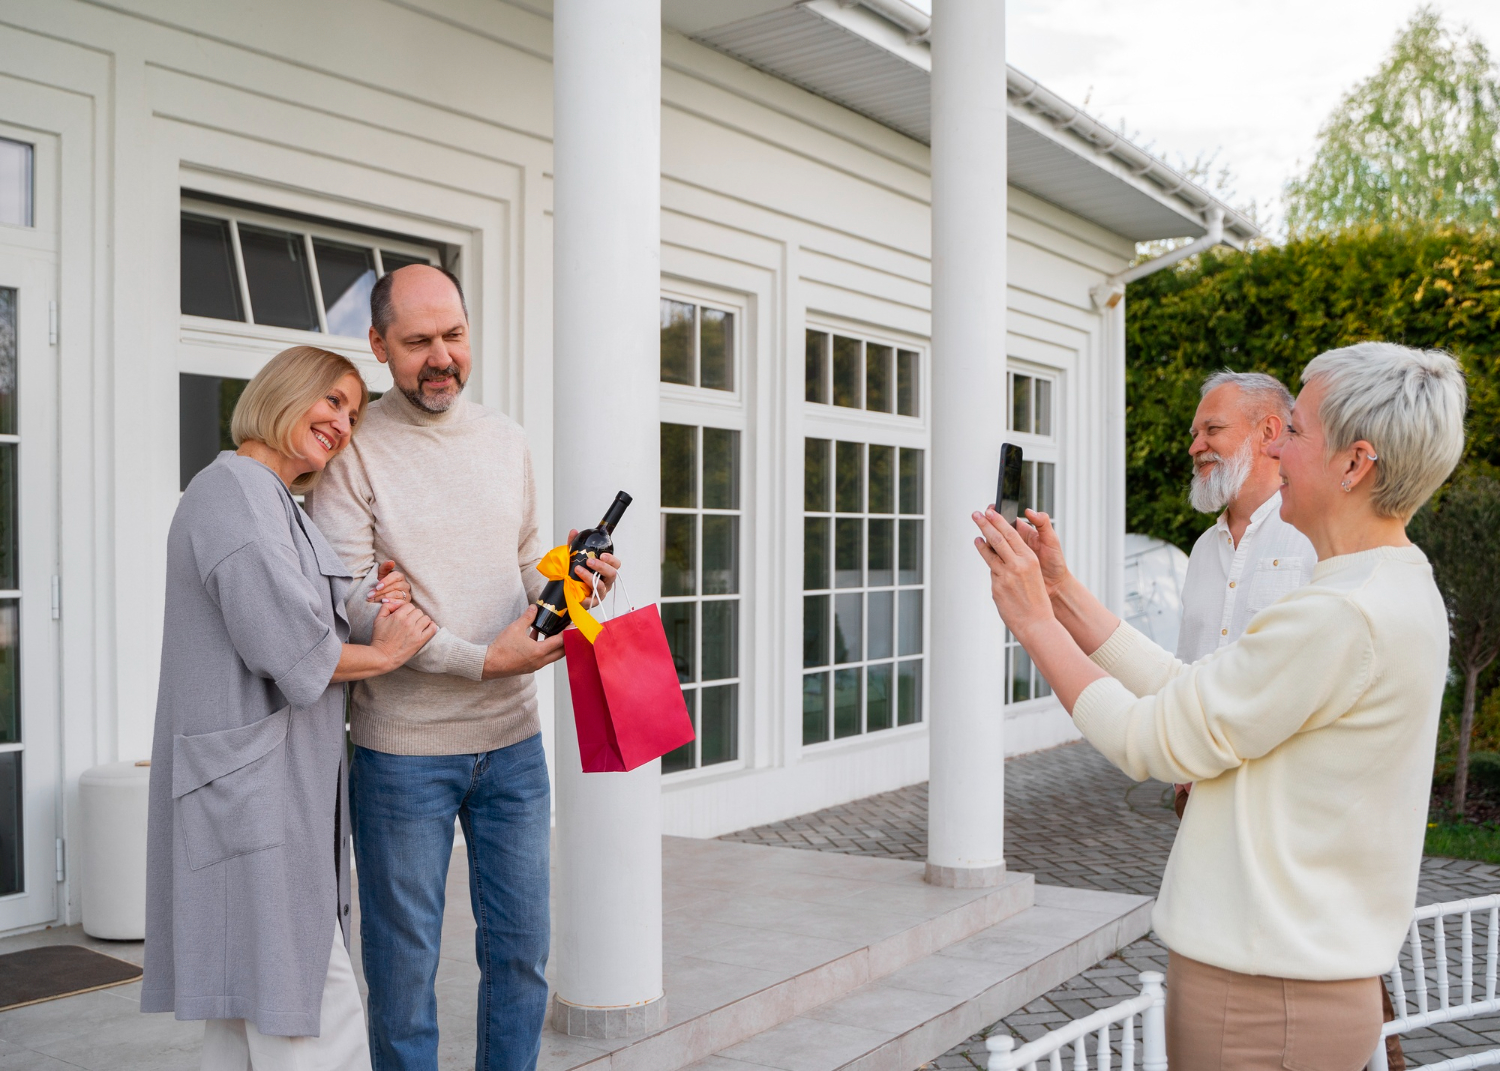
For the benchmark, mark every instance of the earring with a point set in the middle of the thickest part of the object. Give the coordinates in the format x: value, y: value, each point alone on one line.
x: 1346, y: 486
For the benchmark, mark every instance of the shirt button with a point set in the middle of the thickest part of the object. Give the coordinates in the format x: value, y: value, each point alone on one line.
x: 1275, y: 562
x: 1223, y: 632
x: 346, y: 909
x: 1231, y: 583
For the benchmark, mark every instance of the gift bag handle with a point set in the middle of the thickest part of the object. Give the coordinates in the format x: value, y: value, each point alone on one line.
x: 619, y: 585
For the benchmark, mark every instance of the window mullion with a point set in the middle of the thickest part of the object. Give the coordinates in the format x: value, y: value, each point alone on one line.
x: 239, y: 270
x: 697, y: 346
x: 317, y: 284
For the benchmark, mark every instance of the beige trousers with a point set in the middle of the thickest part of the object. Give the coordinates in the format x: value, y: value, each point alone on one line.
x: 343, y: 1045
x: 1220, y: 1020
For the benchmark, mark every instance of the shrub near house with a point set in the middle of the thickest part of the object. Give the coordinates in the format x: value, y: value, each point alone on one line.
x: 1275, y: 308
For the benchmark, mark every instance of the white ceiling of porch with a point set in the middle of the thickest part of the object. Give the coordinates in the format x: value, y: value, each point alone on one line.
x: 859, y: 59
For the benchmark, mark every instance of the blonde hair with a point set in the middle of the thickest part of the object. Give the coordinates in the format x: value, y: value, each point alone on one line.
x: 281, y: 394
x: 1408, y: 404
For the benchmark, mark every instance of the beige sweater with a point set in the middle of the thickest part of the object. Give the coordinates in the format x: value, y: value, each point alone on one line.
x: 1310, y: 741
x: 450, y: 497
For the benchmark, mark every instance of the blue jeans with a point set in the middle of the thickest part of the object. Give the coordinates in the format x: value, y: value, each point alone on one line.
x: 402, y: 809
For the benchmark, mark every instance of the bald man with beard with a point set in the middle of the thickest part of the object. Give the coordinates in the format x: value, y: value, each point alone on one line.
x: 445, y: 486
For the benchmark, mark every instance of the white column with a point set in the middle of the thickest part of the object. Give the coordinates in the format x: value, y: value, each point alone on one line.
x: 965, y: 822
x: 606, y: 283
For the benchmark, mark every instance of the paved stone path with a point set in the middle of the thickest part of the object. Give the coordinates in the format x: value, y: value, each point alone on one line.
x: 1073, y: 819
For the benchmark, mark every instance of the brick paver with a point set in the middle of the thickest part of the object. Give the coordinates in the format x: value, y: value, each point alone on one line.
x: 1073, y: 819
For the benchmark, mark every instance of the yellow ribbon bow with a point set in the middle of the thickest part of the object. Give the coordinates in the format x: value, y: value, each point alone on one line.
x: 554, y: 566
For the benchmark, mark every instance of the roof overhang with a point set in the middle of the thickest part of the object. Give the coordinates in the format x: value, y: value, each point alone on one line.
x: 880, y: 64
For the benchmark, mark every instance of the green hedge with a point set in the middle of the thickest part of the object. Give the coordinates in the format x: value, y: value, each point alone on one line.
x: 1275, y: 308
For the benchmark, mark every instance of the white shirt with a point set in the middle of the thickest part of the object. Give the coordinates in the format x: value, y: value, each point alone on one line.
x: 1227, y: 585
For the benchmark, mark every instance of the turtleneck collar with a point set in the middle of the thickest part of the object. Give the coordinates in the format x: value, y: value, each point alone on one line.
x: 401, y: 408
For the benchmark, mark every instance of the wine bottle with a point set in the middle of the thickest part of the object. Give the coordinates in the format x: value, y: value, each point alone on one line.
x: 551, y: 607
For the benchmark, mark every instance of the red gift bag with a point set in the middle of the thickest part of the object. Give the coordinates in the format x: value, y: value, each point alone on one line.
x: 627, y: 705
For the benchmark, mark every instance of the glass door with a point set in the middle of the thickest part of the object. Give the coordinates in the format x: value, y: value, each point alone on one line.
x: 29, y: 850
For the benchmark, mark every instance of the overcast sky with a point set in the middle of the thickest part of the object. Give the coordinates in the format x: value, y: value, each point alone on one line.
x: 1252, y: 78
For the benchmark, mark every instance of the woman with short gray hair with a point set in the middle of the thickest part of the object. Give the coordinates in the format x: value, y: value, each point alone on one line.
x: 247, y: 875
x: 1310, y: 739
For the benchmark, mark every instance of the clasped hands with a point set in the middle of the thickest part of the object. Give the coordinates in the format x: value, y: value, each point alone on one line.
x: 401, y: 629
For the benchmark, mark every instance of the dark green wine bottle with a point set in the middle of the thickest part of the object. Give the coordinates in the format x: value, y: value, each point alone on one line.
x: 552, y: 608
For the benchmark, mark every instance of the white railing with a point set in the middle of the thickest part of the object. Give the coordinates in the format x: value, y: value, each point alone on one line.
x: 1150, y: 1004
x: 1415, y: 1007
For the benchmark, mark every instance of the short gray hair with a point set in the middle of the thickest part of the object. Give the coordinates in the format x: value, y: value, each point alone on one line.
x: 1258, y: 389
x: 1408, y: 404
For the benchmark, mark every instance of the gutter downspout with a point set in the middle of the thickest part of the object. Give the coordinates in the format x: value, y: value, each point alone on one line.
x: 1108, y: 293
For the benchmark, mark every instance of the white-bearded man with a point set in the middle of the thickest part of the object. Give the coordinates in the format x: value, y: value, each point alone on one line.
x: 1250, y: 557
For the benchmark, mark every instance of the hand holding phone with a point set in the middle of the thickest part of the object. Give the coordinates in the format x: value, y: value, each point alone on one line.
x: 1008, y: 491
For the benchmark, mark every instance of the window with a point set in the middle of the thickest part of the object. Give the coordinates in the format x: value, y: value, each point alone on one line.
x: 697, y: 345
x: 205, y: 406
x: 864, y: 584
x: 700, y: 584
x: 856, y: 373
x: 1032, y: 423
x: 257, y: 267
x: 701, y: 557
x: 15, y: 182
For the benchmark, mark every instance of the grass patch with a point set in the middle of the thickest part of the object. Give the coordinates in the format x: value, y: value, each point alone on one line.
x: 1464, y: 840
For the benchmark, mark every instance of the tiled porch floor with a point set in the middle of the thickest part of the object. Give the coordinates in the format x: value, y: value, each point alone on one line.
x: 1073, y: 819
x: 752, y: 934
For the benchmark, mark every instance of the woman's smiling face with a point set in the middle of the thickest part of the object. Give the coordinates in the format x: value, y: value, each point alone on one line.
x: 326, y: 428
x: 1308, y: 478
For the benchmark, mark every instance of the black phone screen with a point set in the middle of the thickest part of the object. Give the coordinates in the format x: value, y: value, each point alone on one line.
x: 1008, y: 491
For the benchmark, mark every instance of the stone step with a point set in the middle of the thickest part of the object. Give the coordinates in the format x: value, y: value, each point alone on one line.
x: 756, y: 937
x: 913, y: 1015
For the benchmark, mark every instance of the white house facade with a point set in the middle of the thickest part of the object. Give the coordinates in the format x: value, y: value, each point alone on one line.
x: 187, y: 188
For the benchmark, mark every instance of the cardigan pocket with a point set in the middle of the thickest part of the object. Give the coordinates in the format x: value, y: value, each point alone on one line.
x: 230, y: 789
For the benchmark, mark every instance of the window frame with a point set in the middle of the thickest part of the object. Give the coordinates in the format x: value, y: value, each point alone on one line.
x: 1044, y: 448
x: 234, y: 349
x: 824, y: 420
x: 708, y: 407
x: 240, y: 336
x: 866, y: 337
x: 711, y: 398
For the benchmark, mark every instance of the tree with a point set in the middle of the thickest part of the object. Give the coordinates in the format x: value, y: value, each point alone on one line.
x: 1460, y: 534
x: 1275, y: 308
x: 1415, y: 141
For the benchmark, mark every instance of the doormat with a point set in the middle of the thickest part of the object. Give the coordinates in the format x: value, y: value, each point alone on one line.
x: 37, y: 974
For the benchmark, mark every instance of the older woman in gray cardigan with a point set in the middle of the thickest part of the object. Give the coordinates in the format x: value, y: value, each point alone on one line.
x: 248, y: 862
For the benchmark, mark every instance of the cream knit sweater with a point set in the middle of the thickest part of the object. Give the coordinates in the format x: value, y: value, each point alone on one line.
x: 1310, y: 744
x: 450, y: 497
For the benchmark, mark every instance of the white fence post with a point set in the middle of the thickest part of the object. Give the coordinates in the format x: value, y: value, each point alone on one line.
x: 1000, y: 1049
x: 1154, y: 1023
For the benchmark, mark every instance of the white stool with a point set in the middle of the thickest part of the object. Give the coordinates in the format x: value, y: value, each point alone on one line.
x: 112, y: 800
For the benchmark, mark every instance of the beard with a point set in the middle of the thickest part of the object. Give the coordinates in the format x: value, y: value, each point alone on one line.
x: 1211, y: 493
x: 435, y: 403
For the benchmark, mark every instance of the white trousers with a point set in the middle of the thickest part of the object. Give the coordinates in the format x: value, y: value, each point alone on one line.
x: 344, y: 1045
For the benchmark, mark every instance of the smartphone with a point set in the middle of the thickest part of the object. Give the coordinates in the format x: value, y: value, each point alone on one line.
x: 1008, y: 492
